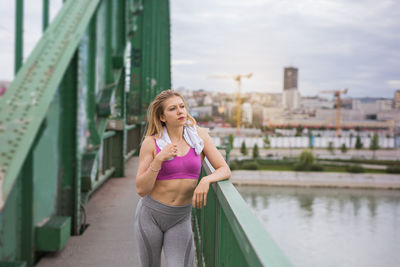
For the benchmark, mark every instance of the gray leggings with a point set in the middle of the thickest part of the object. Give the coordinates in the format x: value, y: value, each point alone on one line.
x: 157, y: 226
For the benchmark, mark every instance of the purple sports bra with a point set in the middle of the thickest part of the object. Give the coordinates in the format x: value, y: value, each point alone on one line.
x: 185, y: 167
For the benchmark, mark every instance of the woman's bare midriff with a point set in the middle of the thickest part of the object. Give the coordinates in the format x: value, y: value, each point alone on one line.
x: 175, y: 192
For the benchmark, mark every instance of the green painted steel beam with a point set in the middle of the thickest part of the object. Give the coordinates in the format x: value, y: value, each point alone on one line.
x: 53, y: 235
x: 94, y: 137
x: 45, y: 22
x: 108, y: 134
x: 147, y: 45
x: 168, y: 49
x: 19, y: 36
x: 109, y: 79
x: 120, y: 27
x: 70, y: 141
x: 130, y: 154
x: 12, y: 264
x: 27, y: 100
x: 136, y: 91
x: 27, y: 227
x: 130, y: 127
x: 102, y: 179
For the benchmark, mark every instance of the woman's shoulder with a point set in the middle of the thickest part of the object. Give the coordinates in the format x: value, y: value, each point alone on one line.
x: 202, y: 132
x: 148, y: 143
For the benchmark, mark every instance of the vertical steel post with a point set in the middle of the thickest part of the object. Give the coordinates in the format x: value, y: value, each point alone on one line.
x: 71, y: 181
x: 120, y: 23
x: 158, y: 49
x: 153, y: 51
x: 45, y: 15
x: 147, y: 27
x: 136, y: 72
x: 160, y: 46
x: 108, y: 43
x: 168, y: 47
x: 27, y: 204
x: 27, y: 228
x: 119, y: 140
x: 19, y: 40
x: 91, y: 79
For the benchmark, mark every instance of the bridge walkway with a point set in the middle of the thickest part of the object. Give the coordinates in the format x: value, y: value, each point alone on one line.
x: 109, y: 239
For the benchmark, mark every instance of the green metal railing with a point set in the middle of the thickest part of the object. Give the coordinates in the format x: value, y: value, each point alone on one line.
x: 227, y: 233
x: 74, y: 114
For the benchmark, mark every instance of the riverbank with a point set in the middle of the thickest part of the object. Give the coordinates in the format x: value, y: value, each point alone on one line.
x: 316, y: 179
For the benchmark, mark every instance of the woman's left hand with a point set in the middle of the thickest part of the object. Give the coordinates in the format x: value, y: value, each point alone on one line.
x: 200, y: 193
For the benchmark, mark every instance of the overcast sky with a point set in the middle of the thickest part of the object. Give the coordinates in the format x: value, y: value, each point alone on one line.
x: 335, y: 44
x: 32, y: 31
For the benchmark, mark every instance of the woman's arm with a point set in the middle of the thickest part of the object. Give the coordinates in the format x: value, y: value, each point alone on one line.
x: 221, y: 172
x: 149, y: 165
x: 145, y: 177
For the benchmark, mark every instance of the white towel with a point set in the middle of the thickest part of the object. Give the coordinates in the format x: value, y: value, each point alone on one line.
x: 189, y: 134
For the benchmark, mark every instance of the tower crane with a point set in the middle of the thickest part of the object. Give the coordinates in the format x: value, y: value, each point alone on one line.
x: 238, y: 78
x: 337, y: 94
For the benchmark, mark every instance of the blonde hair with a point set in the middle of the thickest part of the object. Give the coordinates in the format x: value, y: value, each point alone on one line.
x: 156, y: 109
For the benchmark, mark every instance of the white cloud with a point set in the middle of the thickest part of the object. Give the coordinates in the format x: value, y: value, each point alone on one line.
x: 5, y: 34
x: 395, y: 84
x: 178, y: 62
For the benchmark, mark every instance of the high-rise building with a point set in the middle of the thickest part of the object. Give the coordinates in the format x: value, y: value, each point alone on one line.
x: 396, y: 100
x: 290, y: 78
x: 290, y: 96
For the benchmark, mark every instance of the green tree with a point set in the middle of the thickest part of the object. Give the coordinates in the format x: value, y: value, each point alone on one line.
x: 299, y: 130
x: 306, y: 158
x: 243, y: 149
x: 359, y: 144
x: 331, y: 149
x: 374, y: 144
x: 306, y: 161
x: 256, y: 153
x: 230, y: 140
x: 267, y: 143
x: 343, y: 148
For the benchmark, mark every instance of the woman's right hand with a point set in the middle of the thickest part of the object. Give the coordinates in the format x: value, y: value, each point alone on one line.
x: 169, y: 151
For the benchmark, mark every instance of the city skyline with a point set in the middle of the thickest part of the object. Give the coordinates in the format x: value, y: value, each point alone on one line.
x: 334, y: 44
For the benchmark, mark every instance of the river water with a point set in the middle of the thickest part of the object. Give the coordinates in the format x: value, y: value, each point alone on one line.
x: 325, y: 227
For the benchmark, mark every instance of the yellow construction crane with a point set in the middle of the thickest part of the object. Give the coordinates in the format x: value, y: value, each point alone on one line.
x: 337, y: 94
x: 238, y: 78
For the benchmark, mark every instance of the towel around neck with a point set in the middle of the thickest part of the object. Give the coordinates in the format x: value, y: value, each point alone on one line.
x: 189, y: 134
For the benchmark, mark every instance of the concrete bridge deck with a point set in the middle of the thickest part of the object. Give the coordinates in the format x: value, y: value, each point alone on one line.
x: 109, y: 240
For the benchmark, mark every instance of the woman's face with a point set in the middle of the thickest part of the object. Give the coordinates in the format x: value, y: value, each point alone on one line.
x: 175, y: 113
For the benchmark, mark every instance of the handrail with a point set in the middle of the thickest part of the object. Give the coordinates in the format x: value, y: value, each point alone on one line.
x: 24, y: 105
x: 130, y: 127
x: 108, y: 134
x: 238, y: 238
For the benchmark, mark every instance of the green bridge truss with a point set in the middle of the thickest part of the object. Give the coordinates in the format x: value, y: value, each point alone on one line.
x: 74, y: 114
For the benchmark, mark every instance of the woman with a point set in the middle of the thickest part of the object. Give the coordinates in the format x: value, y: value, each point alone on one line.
x: 167, y: 180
